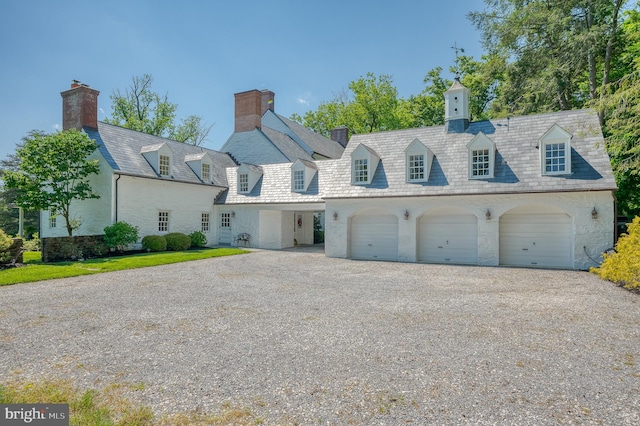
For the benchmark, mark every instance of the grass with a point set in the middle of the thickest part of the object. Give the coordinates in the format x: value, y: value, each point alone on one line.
x: 35, y: 270
x: 110, y: 406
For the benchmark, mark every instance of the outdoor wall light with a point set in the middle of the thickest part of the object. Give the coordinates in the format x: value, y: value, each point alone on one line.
x: 335, y: 215
x: 233, y: 214
x: 406, y: 215
x: 488, y: 214
x: 594, y: 213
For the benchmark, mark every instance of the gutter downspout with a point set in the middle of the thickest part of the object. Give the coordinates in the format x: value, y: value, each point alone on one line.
x: 116, y: 198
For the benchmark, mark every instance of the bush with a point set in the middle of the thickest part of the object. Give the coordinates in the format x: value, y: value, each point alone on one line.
x: 5, y: 244
x: 34, y: 244
x: 623, y: 266
x: 177, y: 241
x: 120, y: 235
x: 154, y: 243
x: 198, y: 239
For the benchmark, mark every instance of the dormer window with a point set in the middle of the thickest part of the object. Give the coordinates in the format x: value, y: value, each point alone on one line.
x: 159, y: 158
x: 555, y: 151
x: 248, y: 175
x: 206, y: 172
x: 482, y: 154
x: 302, y: 173
x: 364, y: 162
x: 200, y: 164
x: 418, y: 162
x: 163, y: 165
x: 243, y: 182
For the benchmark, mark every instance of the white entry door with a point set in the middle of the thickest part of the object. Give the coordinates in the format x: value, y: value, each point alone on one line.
x: 374, y: 237
x: 536, y: 240
x: 448, y: 238
x: 224, y: 229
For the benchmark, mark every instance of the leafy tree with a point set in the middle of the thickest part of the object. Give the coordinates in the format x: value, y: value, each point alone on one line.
x: 140, y: 108
x: 8, y: 215
x: 54, y: 171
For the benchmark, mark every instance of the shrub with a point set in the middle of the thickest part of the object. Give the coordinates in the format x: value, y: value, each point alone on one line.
x: 5, y: 244
x: 154, y: 243
x: 120, y: 235
x: 623, y: 266
x: 198, y: 239
x: 177, y: 241
x: 34, y: 244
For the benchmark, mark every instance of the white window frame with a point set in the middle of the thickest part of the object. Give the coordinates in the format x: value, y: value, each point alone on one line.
x: 164, y: 165
x: 297, y: 183
x: 225, y: 220
x: 163, y: 221
x: 53, y: 218
x: 558, y: 138
x: 416, y: 167
x: 205, y: 222
x: 206, y: 172
x: 481, y: 145
x: 243, y: 182
x: 360, y: 170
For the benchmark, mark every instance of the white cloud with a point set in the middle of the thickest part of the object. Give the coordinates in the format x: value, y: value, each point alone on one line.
x: 303, y: 100
x: 57, y: 126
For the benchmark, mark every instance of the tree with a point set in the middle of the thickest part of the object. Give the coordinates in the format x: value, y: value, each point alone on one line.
x: 54, y: 171
x: 140, y: 108
x: 9, y: 215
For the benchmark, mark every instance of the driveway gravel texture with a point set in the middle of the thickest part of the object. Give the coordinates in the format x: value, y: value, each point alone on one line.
x: 298, y: 338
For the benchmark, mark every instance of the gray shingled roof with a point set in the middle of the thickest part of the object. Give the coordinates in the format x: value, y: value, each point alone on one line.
x: 279, y: 141
x: 517, y: 161
x: 122, y: 149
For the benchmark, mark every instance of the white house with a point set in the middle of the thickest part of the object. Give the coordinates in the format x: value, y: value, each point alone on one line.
x: 534, y: 191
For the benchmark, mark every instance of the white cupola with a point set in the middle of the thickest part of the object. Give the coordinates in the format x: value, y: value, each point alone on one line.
x: 456, y: 107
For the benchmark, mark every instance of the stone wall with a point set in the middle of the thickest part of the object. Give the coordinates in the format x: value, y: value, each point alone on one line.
x: 59, y: 249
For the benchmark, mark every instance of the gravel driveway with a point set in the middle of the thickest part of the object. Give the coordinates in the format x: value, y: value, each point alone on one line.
x: 298, y: 338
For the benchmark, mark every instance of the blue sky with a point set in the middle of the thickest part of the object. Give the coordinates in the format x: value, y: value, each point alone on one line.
x: 202, y: 52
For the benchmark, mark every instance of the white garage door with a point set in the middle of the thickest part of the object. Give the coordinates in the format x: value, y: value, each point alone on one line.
x: 374, y: 237
x: 535, y: 240
x: 448, y: 238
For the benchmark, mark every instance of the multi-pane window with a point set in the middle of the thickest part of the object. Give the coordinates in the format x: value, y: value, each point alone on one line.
x: 554, y: 158
x: 52, y: 218
x: 163, y: 221
x: 360, y: 170
x: 206, y: 172
x: 225, y: 220
x: 416, y: 167
x: 163, y: 166
x: 205, y: 222
x: 243, y: 182
x: 480, y: 162
x: 298, y: 180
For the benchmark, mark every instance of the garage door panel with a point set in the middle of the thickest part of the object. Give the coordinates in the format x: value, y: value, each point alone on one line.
x: 374, y: 237
x: 542, y: 240
x: 448, y: 239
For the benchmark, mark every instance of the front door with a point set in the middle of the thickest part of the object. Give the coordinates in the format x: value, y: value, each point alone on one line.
x: 224, y: 229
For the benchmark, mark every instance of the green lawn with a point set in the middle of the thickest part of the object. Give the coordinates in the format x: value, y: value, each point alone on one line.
x: 35, y: 270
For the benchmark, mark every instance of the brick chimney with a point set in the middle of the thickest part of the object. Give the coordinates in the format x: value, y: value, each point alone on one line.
x: 250, y: 107
x: 79, y: 107
x: 340, y: 135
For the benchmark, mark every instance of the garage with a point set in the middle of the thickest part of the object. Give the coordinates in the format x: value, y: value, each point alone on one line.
x: 540, y: 239
x: 448, y: 236
x: 374, y: 237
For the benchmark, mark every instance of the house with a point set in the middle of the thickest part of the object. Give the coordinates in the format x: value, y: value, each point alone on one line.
x: 535, y: 191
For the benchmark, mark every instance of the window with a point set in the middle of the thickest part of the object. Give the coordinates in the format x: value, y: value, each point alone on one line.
x: 225, y: 220
x: 416, y: 167
x: 163, y: 221
x: 205, y: 222
x: 206, y: 172
x: 480, y: 163
x: 360, y: 170
x: 163, y: 168
x: 52, y: 218
x: 243, y: 182
x: 554, y: 158
x: 298, y: 180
